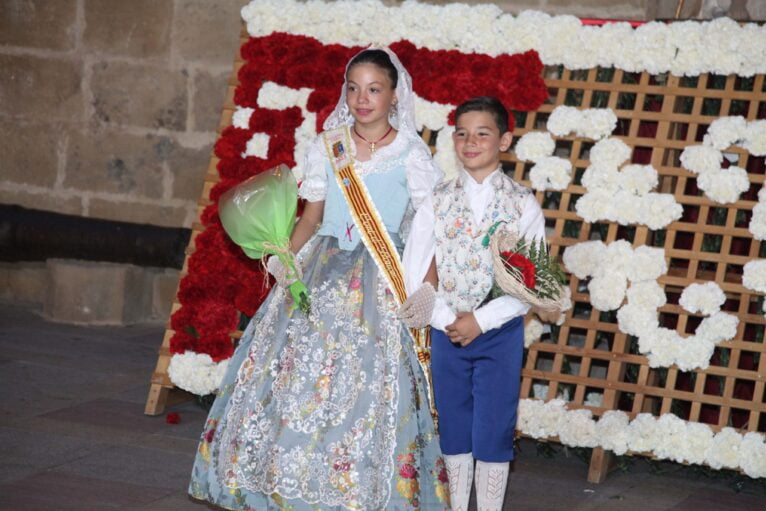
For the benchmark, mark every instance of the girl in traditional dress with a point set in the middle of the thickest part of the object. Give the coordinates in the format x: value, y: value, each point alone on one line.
x: 330, y: 410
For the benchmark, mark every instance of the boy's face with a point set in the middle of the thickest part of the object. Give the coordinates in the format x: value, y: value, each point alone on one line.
x: 478, y: 142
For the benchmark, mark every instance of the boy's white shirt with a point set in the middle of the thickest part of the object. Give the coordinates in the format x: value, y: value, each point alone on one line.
x: 421, y: 247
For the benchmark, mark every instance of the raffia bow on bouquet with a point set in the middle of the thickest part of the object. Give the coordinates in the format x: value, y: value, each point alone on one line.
x: 525, y: 270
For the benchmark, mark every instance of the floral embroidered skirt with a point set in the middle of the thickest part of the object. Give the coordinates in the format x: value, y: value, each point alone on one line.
x: 327, y: 411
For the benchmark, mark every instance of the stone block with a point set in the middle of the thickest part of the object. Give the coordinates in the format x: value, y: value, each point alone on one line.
x: 126, y: 211
x: 30, y: 153
x: 617, y: 9
x: 139, y: 28
x: 86, y: 292
x: 139, y: 95
x: 42, y: 88
x: 38, y: 23
x: 164, y: 292
x: 27, y: 282
x: 188, y: 167
x: 70, y: 205
x: 115, y: 162
x: 209, y: 95
x: 208, y: 31
x: 5, y: 286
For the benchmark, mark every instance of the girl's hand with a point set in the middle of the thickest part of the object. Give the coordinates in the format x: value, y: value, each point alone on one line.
x: 464, y: 329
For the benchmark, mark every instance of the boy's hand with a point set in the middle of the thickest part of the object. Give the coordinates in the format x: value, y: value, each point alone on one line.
x: 464, y: 329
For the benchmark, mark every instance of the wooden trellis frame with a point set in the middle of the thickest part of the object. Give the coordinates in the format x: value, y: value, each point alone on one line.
x: 605, y: 359
x: 590, y: 354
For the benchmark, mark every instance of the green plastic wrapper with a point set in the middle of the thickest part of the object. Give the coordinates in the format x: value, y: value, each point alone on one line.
x: 259, y: 215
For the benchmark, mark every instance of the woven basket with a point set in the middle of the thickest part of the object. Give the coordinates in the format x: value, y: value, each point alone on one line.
x: 511, y: 280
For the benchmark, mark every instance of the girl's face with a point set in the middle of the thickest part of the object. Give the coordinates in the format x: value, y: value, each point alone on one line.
x: 370, y: 93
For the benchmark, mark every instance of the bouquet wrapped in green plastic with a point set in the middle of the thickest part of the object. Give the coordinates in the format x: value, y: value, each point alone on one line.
x: 259, y: 215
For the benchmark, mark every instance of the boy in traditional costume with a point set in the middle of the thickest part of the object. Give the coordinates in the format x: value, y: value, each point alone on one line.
x: 477, y: 342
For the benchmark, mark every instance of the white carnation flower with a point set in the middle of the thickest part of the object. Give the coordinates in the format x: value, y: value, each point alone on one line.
x: 626, y: 207
x: 532, y: 332
x: 701, y: 158
x: 704, y: 298
x: 638, y: 179
x: 596, y: 205
x: 670, y: 432
x: 278, y: 97
x: 724, y: 451
x: 757, y: 224
x: 612, y: 430
x: 446, y: 157
x: 606, y: 293
x: 597, y: 123
x: 196, y: 372
x: 530, y: 416
x: 584, y: 259
x: 539, y: 390
x: 606, y: 178
x: 693, y: 446
x: 754, y: 275
x: 642, y: 436
x: 241, y: 117
x: 257, y: 146
x: 724, y: 185
x: 551, y: 173
x: 618, y: 259
x: 666, y: 349
x: 718, y: 327
x: 431, y: 115
x: 534, y: 146
x: 610, y: 152
x: 655, y: 339
x: 658, y: 210
x: 725, y: 131
x: 578, y: 429
x: 594, y: 399
x: 752, y: 455
x: 564, y: 120
x: 637, y: 320
x: 647, y: 263
x: 647, y: 294
x: 755, y: 138
x: 694, y: 353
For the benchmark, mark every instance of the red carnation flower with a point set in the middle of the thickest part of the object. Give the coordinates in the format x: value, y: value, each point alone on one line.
x: 173, y: 418
x: 526, y: 267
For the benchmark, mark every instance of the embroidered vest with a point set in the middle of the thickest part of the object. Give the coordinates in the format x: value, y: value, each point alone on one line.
x: 463, y: 264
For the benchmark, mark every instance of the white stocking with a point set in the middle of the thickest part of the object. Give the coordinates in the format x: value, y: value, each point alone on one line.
x: 460, y: 474
x: 491, y: 479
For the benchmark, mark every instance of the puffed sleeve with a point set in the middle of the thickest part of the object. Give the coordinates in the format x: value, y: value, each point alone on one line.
x: 314, y: 185
x: 422, y: 174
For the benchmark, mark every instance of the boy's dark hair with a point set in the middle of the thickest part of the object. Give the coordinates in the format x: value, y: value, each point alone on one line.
x: 489, y: 104
x: 378, y: 57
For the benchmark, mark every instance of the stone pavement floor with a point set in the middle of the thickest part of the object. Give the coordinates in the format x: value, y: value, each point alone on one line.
x: 73, y: 437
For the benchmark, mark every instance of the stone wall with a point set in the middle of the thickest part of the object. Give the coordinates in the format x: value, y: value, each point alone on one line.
x: 108, y: 108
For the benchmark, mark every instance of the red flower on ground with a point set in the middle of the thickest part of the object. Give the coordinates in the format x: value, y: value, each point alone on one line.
x: 173, y: 418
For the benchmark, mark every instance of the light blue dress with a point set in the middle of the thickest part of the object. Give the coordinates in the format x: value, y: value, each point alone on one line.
x: 330, y: 411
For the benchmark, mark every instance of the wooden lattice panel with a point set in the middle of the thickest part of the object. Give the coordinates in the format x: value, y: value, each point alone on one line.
x: 658, y: 117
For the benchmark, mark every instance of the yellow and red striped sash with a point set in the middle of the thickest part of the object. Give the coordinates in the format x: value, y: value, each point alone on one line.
x: 375, y: 237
